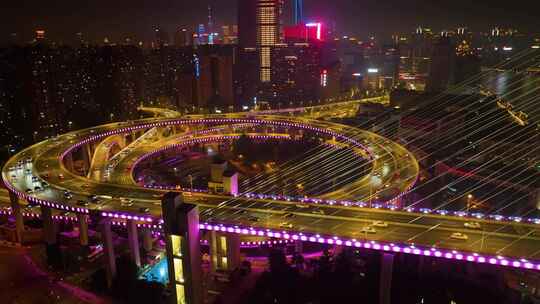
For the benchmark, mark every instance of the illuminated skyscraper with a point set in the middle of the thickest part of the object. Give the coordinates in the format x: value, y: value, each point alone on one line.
x: 161, y: 37
x: 210, y: 20
x: 182, y: 37
x: 268, y: 33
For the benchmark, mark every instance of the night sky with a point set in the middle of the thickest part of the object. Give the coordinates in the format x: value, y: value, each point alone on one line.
x: 118, y: 19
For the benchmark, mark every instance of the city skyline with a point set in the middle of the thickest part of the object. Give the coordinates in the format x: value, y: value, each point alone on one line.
x: 136, y: 21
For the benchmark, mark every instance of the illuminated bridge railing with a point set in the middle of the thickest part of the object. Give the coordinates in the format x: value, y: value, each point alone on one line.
x: 282, y: 237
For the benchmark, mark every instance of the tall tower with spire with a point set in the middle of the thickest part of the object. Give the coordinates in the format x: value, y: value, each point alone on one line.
x: 210, y: 20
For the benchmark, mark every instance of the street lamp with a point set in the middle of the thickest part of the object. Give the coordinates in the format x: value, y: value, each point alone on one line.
x: 469, y: 199
x: 190, y: 177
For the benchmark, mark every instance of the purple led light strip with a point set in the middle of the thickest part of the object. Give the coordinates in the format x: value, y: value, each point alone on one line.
x: 379, y: 246
x: 287, y: 236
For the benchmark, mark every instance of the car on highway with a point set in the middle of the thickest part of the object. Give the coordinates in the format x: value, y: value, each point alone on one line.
x: 67, y: 194
x: 82, y: 203
x: 380, y: 224
x: 124, y: 202
x: 288, y: 215
x: 61, y: 176
x: 253, y: 219
x: 29, y: 191
x: 144, y: 209
x: 318, y: 211
x: 368, y: 229
x: 473, y: 225
x: 459, y: 236
x: 285, y: 225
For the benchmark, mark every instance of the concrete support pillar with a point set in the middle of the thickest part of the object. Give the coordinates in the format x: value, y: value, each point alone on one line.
x: 233, y: 251
x: 108, y: 249
x: 68, y: 161
x: 181, y: 226
x: 298, y: 247
x: 133, y: 240
x: 387, y: 265
x: 91, y: 146
x: 224, y: 251
x: 213, y: 252
x: 83, y: 228
x: 338, y: 249
x: 148, y: 240
x: 49, y: 229
x: 86, y: 160
x: 420, y: 266
x: 17, y: 214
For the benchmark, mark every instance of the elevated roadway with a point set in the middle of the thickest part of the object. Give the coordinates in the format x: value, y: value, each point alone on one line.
x: 342, y: 216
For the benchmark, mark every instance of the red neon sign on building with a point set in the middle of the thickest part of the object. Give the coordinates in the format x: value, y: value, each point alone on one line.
x: 305, y: 32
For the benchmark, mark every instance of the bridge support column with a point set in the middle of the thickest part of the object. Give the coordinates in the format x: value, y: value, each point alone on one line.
x: 535, y: 198
x: 68, y: 160
x: 133, y: 240
x: 181, y: 226
x: 83, y: 229
x: 298, y: 247
x: 148, y: 240
x: 213, y: 252
x: 16, y: 213
x: 108, y: 249
x: 224, y: 251
x: 49, y: 229
x: 86, y: 156
x: 88, y: 150
x: 385, y: 286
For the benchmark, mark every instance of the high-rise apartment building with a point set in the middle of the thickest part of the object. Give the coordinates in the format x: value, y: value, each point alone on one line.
x: 297, y: 74
x: 441, y: 74
x: 183, y: 37
x: 268, y: 34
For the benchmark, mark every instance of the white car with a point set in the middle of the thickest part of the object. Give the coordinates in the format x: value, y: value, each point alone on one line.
x: 473, y: 225
x: 126, y: 202
x: 459, y: 236
x: 369, y: 229
x: 286, y: 225
x: 380, y: 224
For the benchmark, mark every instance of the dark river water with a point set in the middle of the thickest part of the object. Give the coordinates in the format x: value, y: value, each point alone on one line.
x: 521, y: 89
